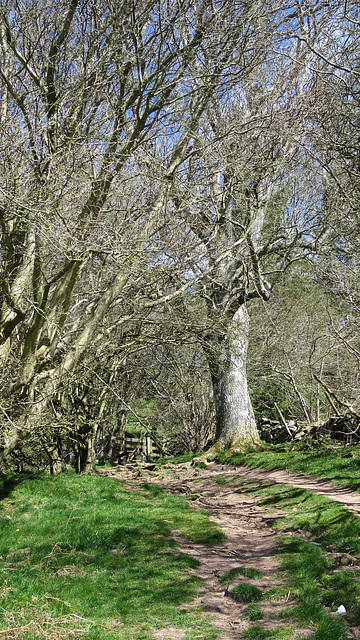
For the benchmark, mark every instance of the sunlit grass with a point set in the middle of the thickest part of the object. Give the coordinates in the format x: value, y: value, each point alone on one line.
x: 341, y: 465
x: 258, y: 632
x: 96, y: 558
x: 308, y: 569
x: 246, y: 592
x: 254, y: 613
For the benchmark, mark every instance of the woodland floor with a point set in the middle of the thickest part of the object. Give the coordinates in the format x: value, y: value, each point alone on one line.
x: 250, y: 543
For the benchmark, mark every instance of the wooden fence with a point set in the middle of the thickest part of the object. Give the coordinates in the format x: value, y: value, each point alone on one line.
x: 131, y: 447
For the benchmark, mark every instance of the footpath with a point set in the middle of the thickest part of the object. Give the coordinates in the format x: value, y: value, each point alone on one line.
x: 250, y: 539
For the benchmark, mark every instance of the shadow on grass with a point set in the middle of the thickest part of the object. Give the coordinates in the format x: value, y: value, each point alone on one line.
x: 329, y: 522
x: 8, y: 484
x: 287, y: 496
x: 341, y: 466
x: 86, y: 546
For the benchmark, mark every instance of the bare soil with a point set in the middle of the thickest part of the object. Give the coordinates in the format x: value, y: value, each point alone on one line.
x: 250, y: 540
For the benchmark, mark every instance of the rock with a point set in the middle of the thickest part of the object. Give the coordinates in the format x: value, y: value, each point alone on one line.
x: 215, y: 604
x: 345, y: 559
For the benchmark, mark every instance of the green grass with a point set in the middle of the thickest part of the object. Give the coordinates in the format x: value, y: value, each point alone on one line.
x: 341, y: 466
x: 309, y: 571
x: 248, y: 572
x: 254, y: 613
x: 84, y: 557
x: 257, y: 632
x: 246, y: 592
x: 181, y: 458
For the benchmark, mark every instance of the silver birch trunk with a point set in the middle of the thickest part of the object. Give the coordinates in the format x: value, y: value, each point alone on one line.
x: 236, y: 426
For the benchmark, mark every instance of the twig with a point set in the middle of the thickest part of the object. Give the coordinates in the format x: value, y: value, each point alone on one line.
x: 74, y: 615
x: 69, y: 518
x: 126, y: 405
x: 11, y: 421
x: 17, y: 628
x: 331, y: 401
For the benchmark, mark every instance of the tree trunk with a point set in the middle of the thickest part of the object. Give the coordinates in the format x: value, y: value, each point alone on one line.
x: 10, y: 440
x: 235, y: 421
x: 53, y: 452
x: 84, y: 449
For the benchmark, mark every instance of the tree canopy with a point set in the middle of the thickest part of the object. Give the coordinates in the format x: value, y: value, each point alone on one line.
x: 163, y: 165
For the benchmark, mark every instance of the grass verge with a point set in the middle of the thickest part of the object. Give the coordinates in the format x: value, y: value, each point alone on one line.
x: 83, y: 557
x: 340, y: 465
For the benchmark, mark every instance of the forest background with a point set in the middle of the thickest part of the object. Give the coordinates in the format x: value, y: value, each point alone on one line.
x: 179, y: 210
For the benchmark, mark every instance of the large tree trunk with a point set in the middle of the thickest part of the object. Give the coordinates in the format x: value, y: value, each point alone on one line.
x: 235, y: 421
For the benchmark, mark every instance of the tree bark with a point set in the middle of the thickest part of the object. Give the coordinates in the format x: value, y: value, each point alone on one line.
x: 235, y: 421
x: 85, y: 459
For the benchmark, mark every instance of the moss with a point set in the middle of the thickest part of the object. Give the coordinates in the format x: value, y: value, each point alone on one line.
x: 238, y: 446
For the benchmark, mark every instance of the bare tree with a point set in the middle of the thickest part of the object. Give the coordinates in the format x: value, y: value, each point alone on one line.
x: 252, y: 196
x: 150, y: 149
x: 88, y: 91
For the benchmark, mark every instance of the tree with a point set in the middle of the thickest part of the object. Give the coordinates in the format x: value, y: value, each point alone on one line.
x: 252, y: 198
x: 175, y: 378
x: 88, y: 92
x: 332, y: 134
x: 152, y: 149
x: 297, y: 338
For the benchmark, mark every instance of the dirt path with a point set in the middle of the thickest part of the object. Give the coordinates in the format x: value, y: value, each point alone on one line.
x: 250, y: 540
x: 348, y: 498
